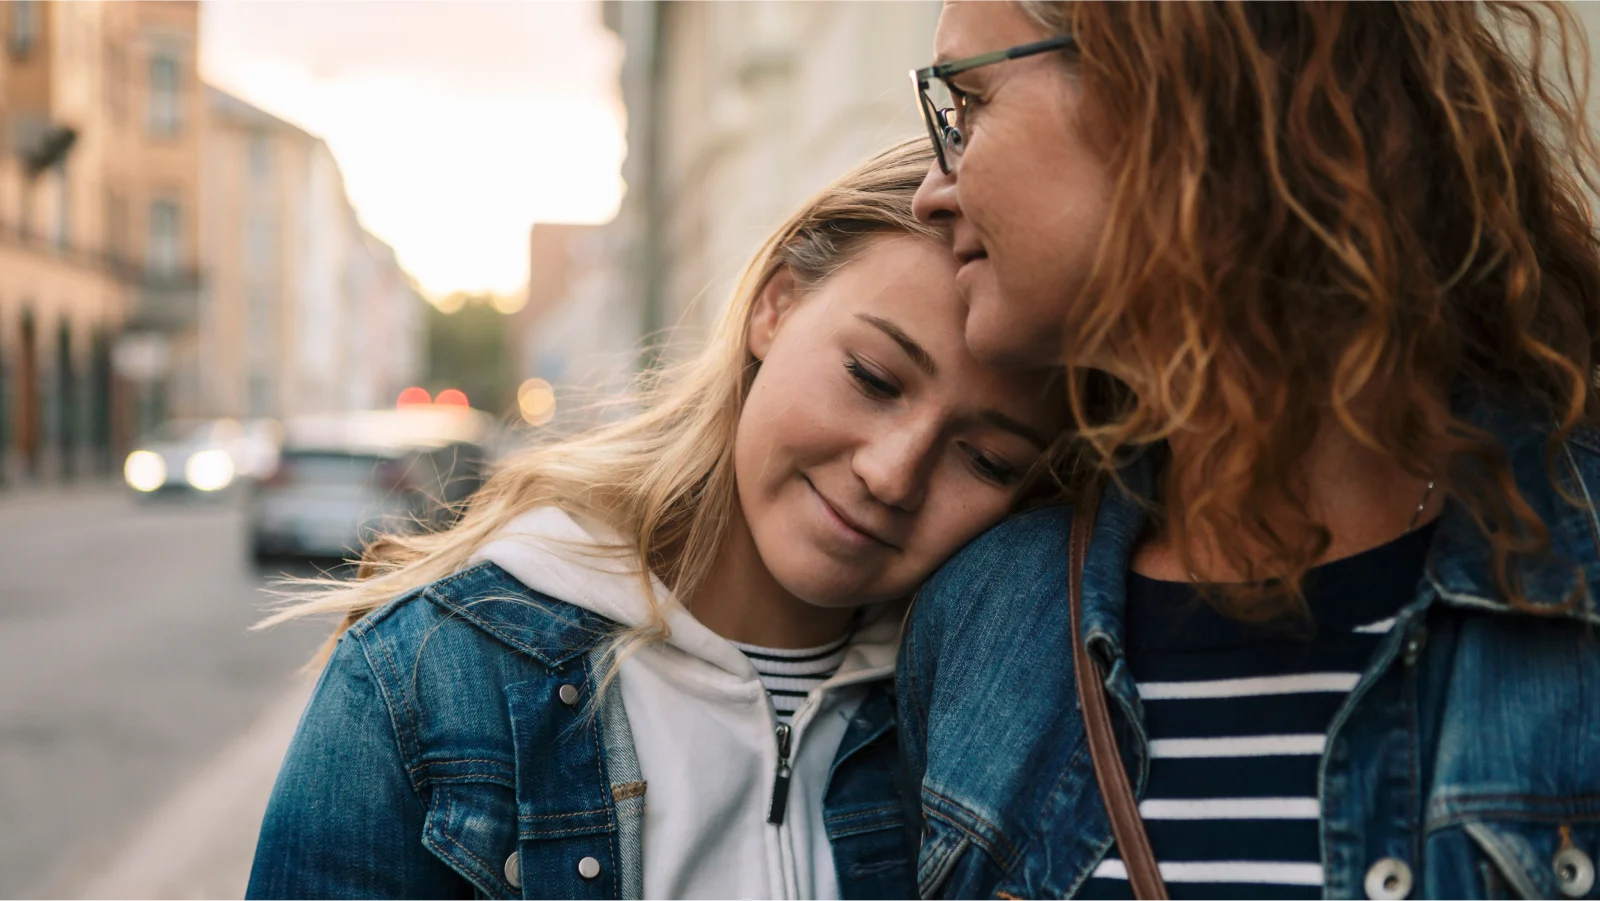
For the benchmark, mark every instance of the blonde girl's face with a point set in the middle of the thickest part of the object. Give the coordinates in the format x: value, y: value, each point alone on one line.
x: 873, y: 445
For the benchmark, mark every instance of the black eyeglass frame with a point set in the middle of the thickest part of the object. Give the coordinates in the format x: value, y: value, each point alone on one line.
x: 940, y: 130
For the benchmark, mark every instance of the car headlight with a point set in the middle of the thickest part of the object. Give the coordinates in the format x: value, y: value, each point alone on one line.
x: 145, y: 471
x: 209, y: 470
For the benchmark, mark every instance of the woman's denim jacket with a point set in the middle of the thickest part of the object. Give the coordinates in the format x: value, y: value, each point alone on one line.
x: 1469, y: 751
x: 440, y: 757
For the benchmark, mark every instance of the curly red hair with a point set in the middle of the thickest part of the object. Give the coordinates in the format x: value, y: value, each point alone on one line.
x: 1345, y: 208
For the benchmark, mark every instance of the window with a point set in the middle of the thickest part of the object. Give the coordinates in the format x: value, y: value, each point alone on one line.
x: 116, y: 226
x: 63, y: 207
x: 260, y: 158
x: 24, y: 26
x: 165, y: 108
x: 163, y: 248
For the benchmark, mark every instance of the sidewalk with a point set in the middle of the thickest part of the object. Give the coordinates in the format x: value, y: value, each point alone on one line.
x: 200, y: 841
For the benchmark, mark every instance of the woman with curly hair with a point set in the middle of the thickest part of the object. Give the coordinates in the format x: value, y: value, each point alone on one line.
x: 1320, y: 621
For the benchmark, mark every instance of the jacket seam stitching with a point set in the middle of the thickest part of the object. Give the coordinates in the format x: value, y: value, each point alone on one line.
x: 530, y: 835
x: 1479, y: 816
x: 496, y: 778
x: 559, y: 816
x: 404, y: 743
x: 859, y: 814
x: 450, y: 807
x: 981, y: 840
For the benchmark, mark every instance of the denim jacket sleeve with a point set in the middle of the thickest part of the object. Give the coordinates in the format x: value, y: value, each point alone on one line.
x: 344, y: 820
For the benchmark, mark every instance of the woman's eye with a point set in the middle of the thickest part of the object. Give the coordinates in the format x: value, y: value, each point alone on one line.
x: 874, y: 385
x: 989, y: 468
x: 964, y: 103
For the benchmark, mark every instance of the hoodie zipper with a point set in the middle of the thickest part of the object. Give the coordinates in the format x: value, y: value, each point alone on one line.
x: 780, y: 782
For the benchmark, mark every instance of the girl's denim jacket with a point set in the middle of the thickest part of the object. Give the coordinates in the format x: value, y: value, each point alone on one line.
x: 451, y: 749
x: 1465, y: 763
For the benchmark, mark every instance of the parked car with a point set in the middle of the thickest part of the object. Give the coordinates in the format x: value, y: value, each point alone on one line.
x: 340, y: 479
x: 187, y: 457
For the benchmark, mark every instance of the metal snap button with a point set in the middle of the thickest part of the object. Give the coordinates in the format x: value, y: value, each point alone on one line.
x: 1414, y: 646
x: 588, y: 868
x: 1389, y: 878
x: 1575, y: 872
x: 514, y: 870
x: 568, y: 694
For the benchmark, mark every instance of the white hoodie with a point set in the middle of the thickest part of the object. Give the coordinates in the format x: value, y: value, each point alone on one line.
x: 703, y: 728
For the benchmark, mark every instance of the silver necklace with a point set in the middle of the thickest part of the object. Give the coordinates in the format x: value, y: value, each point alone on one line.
x: 1422, y: 505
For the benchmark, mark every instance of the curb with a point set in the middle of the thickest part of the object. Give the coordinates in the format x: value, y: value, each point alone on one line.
x: 199, y: 843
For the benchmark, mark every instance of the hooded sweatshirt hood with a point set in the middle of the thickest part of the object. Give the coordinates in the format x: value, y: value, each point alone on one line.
x: 589, y: 566
x: 712, y: 752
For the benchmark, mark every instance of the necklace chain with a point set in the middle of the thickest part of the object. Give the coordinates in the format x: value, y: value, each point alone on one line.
x: 1422, y: 505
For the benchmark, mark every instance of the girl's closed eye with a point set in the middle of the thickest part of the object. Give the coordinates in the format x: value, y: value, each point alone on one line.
x: 991, y: 468
x: 870, y: 383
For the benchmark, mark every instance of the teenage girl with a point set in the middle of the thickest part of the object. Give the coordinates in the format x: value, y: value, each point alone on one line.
x: 655, y: 660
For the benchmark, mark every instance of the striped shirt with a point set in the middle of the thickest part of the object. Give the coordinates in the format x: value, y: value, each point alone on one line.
x: 1237, y: 716
x: 790, y: 675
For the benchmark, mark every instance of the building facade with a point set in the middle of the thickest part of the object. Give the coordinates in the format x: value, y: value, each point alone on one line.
x: 736, y: 113
x: 99, y: 183
x: 305, y: 312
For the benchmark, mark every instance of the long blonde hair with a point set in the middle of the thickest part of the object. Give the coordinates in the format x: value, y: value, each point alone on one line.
x: 662, y: 478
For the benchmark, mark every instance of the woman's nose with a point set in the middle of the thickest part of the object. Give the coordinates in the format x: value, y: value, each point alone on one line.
x: 894, y: 466
x: 935, y: 202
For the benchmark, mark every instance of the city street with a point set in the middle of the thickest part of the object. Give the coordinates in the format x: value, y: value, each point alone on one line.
x: 140, y: 720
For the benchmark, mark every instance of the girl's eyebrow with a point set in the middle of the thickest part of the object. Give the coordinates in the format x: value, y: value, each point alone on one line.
x: 915, y: 351
x: 924, y: 362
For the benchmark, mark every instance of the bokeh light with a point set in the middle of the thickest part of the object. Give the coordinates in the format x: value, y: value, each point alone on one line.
x: 145, y: 471
x: 451, y: 397
x: 537, y: 400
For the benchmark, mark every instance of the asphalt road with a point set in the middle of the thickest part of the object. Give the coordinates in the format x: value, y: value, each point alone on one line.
x: 126, y: 666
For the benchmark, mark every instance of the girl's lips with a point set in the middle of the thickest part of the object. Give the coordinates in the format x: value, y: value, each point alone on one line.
x: 844, y: 527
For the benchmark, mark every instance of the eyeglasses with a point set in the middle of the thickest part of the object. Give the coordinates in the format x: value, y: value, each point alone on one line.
x: 944, y: 105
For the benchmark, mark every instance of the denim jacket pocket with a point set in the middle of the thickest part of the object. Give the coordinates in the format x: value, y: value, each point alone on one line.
x: 472, y: 826
x: 942, y: 848
x: 1539, y: 859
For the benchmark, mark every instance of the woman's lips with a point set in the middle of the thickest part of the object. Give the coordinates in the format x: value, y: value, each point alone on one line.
x: 843, y: 527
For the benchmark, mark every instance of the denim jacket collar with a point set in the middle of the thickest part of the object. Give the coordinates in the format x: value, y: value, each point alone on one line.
x: 553, y: 633
x: 1459, y: 565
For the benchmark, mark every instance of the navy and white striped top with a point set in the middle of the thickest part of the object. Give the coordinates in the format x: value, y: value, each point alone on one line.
x: 1237, y: 717
x: 790, y: 675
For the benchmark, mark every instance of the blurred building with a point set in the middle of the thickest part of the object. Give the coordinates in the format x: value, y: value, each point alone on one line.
x: 561, y: 334
x: 99, y: 183
x: 737, y: 112
x: 306, y: 311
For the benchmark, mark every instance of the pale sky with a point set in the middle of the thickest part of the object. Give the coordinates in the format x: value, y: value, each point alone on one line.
x: 457, y: 123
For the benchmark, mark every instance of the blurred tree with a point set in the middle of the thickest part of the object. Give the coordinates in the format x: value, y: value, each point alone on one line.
x: 468, y: 350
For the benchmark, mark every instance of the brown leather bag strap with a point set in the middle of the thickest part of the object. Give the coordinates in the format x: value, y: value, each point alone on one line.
x: 1121, y: 806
